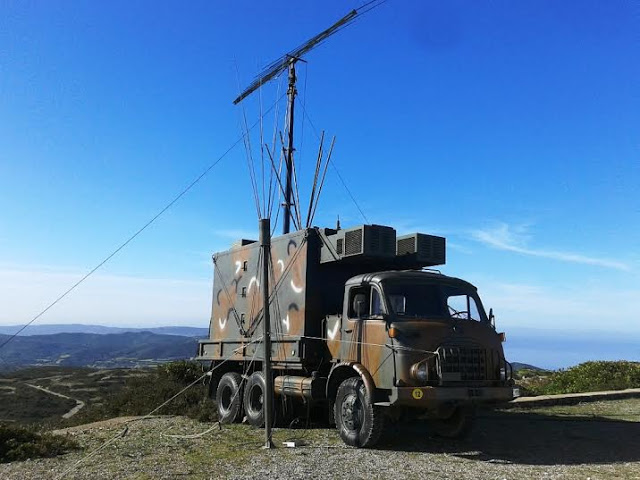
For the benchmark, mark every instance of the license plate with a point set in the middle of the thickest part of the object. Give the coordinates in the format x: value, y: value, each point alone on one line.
x: 475, y: 392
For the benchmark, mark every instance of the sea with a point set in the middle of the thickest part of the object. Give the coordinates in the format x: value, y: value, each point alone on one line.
x: 555, y: 349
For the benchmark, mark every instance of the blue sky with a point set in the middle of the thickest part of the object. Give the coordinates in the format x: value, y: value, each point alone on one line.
x: 512, y: 128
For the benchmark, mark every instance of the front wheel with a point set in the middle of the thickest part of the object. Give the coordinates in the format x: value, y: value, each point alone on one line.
x: 359, y: 422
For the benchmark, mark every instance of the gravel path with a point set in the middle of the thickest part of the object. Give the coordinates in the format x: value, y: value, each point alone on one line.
x: 551, y: 444
x: 79, y: 403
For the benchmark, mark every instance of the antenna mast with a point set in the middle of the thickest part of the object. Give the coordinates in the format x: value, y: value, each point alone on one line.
x: 291, y: 99
x: 287, y: 62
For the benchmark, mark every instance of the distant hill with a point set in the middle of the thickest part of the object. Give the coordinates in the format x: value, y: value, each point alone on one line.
x: 111, y: 350
x: 519, y: 366
x: 101, y: 329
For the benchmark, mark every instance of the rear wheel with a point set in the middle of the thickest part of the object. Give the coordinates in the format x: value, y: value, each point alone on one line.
x: 254, y: 393
x: 455, y: 424
x: 229, y: 398
x: 359, y: 422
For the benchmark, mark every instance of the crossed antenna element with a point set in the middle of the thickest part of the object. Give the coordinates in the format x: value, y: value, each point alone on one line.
x: 287, y: 62
x: 280, y: 65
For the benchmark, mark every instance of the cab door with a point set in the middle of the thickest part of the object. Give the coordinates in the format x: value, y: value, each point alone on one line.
x: 365, y: 337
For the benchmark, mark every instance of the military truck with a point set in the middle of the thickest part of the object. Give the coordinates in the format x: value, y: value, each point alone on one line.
x: 360, y: 326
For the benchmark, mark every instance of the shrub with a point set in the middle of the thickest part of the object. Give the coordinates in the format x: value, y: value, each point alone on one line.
x: 143, y: 394
x: 182, y: 371
x: 589, y: 377
x: 20, y: 443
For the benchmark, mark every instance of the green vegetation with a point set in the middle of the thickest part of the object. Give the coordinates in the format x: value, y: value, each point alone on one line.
x: 106, y: 393
x: 25, y: 405
x: 138, y: 391
x: 586, y: 377
x: 20, y: 443
x: 142, y: 394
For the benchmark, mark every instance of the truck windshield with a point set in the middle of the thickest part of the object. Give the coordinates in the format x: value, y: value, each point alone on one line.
x: 461, y: 304
x: 424, y: 300
x: 415, y: 300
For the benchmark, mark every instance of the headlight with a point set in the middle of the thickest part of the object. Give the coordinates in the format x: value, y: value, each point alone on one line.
x: 419, y: 372
x: 503, y: 374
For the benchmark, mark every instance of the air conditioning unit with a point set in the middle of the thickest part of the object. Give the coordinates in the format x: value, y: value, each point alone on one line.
x: 422, y: 249
x: 365, y: 241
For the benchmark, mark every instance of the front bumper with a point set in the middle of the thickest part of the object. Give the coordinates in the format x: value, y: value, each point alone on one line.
x: 429, y: 397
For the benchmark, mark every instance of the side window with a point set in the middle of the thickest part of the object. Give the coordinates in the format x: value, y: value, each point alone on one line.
x: 474, y: 314
x: 376, y: 303
x: 359, y: 295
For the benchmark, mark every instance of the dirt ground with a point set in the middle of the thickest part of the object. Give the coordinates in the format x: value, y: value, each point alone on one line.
x: 598, y: 440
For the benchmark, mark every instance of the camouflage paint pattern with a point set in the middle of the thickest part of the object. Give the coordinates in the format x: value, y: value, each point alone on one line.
x: 310, y: 299
x: 237, y: 306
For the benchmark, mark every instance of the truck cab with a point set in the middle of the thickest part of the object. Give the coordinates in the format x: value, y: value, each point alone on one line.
x: 427, y: 343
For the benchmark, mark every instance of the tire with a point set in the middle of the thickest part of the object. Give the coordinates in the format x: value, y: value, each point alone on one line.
x: 359, y: 422
x: 229, y: 398
x: 254, y: 400
x: 457, y: 425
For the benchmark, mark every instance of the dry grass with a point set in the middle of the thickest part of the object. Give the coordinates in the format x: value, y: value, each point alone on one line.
x: 590, y: 440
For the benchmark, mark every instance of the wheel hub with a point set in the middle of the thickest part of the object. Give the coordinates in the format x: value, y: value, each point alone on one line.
x: 225, y: 399
x: 256, y: 398
x: 351, y: 412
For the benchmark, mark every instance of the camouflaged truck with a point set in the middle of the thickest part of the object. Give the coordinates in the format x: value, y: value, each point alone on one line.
x: 359, y: 327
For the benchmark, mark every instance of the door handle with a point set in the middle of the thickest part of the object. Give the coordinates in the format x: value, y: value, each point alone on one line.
x: 349, y: 331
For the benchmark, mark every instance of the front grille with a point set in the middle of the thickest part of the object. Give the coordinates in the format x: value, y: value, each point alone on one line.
x: 462, y: 364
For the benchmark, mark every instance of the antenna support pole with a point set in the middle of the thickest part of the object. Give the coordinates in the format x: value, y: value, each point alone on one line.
x: 291, y: 96
x: 267, y: 405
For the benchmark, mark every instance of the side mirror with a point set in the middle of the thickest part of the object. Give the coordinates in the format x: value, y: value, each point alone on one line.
x: 492, y: 318
x: 359, y: 302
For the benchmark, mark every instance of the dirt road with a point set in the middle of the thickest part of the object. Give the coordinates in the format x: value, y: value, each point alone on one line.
x: 79, y: 403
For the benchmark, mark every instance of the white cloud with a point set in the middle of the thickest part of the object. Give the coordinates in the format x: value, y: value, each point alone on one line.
x: 103, y: 299
x: 459, y: 248
x: 514, y: 239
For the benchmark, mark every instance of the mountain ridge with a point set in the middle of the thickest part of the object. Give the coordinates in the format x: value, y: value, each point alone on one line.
x: 51, y: 329
x: 110, y: 350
